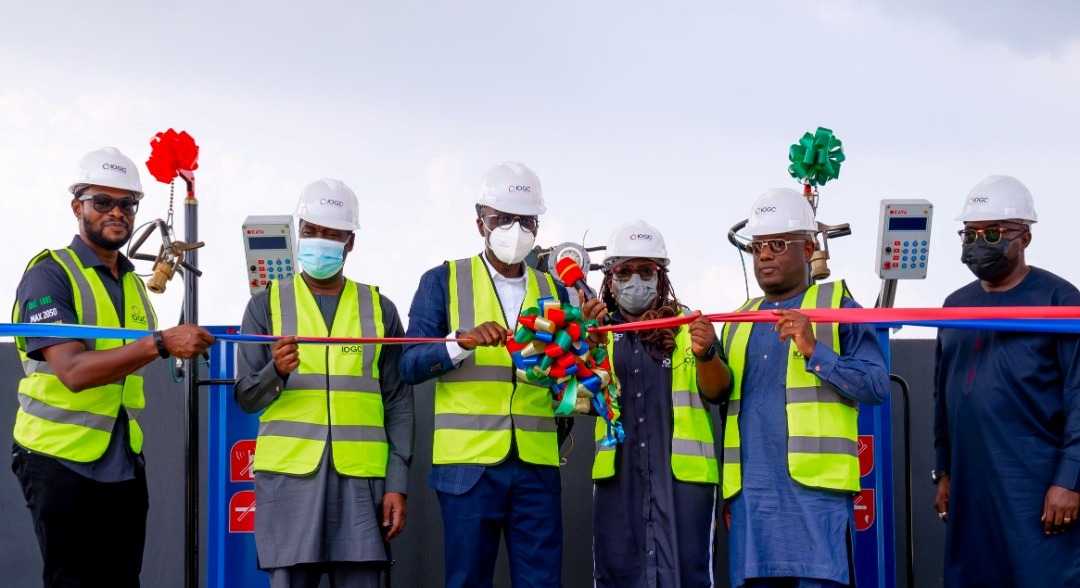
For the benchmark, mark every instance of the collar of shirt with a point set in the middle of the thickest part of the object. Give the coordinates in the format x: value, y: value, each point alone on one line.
x: 90, y: 259
x: 511, y: 292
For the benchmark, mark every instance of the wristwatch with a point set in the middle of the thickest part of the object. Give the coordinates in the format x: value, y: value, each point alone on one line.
x: 937, y: 475
x: 159, y: 342
x: 709, y: 355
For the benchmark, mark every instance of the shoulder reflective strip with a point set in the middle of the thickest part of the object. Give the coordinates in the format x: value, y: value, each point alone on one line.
x: 474, y: 422
x: 694, y: 448
x: 366, y: 302
x: 293, y: 429
x: 732, y: 455
x: 817, y: 394
x: 83, y: 291
x: 470, y: 372
x: 133, y: 413
x: 600, y: 447
x: 287, y: 296
x: 357, y: 433
x: 824, y: 331
x: 466, y: 312
x: 686, y: 398
x: 151, y: 318
x: 336, y: 383
x: 822, y: 445
x: 542, y: 283
x: 535, y: 424
x: 733, y: 407
x: 82, y: 418
x: 730, y: 327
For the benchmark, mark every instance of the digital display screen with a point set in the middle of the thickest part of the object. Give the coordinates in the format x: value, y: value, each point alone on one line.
x: 902, y: 223
x: 263, y: 243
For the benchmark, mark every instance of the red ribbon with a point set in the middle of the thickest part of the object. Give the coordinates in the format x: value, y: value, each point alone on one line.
x: 172, y: 153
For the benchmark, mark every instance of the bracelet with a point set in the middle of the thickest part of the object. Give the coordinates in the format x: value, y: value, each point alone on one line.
x: 709, y: 355
x: 159, y: 342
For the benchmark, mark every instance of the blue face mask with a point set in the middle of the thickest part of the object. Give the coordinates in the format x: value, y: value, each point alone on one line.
x: 321, y: 258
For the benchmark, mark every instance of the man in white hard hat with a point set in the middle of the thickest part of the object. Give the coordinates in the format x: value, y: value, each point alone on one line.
x: 654, y: 494
x: 335, y: 436
x: 1007, y: 412
x: 495, y: 456
x: 78, y: 443
x: 791, y: 467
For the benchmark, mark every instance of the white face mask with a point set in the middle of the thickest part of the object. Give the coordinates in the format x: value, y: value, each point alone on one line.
x: 512, y: 244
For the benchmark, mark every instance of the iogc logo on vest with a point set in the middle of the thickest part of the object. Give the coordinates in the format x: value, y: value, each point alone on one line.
x: 137, y: 315
x: 352, y: 350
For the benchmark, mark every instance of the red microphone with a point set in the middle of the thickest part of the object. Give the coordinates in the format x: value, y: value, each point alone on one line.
x: 570, y: 274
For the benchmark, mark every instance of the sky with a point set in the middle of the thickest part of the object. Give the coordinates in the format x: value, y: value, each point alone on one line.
x: 679, y: 113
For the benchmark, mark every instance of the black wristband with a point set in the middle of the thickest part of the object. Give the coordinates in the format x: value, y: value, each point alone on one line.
x: 709, y: 355
x: 159, y: 342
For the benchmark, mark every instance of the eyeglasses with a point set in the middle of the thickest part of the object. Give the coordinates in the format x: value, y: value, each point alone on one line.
x: 992, y: 235
x: 104, y: 203
x: 505, y: 221
x: 776, y: 246
x: 647, y: 271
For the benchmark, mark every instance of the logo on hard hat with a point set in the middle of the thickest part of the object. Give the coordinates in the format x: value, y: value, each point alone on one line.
x: 764, y: 209
x: 980, y: 199
x: 331, y: 202
x: 519, y: 188
x: 643, y: 236
x: 114, y: 167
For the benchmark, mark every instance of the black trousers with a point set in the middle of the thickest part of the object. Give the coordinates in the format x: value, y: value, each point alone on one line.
x: 91, y: 533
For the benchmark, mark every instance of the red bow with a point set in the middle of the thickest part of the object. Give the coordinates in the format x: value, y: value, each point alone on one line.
x: 171, y: 152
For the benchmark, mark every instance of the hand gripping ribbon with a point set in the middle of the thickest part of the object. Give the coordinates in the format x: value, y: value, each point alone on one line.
x: 549, y: 349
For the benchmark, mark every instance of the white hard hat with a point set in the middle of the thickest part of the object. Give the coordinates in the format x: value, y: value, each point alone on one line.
x: 999, y: 198
x: 636, y: 239
x: 513, y: 188
x: 329, y: 203
x: 780, y: 210
x: 109, y: 168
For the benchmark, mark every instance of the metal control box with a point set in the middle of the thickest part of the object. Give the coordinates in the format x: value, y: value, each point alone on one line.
x: 904, y: 239
x: 269, y: 249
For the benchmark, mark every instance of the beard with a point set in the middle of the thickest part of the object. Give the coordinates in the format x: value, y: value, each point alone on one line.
x: 97, y: 235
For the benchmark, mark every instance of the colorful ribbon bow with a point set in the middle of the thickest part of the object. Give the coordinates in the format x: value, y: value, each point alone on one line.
x: 171, y: 152
x: 549, y: 349
x: 816, y: 158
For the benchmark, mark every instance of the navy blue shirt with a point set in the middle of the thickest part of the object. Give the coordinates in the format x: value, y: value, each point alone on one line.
x: 1006, y: 428
x: 650, y: 529
x: 44, y: 295
x: 429, y: 316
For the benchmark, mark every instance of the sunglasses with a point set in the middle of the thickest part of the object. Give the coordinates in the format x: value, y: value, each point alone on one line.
x: 992, y: 235
x: 505, y: 221
x: 647, y: 271
x: 104, y: 203
x: 776, y: 246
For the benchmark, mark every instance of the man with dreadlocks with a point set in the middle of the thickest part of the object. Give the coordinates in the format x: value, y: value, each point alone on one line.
x: 654, y: 499
x: 791, y: 469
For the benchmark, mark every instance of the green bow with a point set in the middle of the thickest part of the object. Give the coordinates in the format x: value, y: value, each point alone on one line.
x: 816, y: 158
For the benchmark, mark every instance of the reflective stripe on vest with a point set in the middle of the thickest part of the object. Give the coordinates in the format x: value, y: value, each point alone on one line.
x: 481, y: 406
x: 333, y: 394
x: 77, y: 426
x: 693, y: 454
x: 822, y: 423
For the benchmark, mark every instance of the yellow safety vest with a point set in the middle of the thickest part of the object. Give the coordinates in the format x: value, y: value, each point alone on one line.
x: 334, y: 393
x: 822, y: 423
x: 481, y: 407
x: 693, y: 454
x: 77, y: 426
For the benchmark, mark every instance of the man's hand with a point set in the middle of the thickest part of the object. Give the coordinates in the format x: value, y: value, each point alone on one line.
x: 489, y: 334
x: 187, y: 341
x: 286, y: 355
x: 596, y: 310
x: 1059, y: 510
x: 394, y: 512
x: 702, y: 335
x: 796, y: 325
x: 941, y: 500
